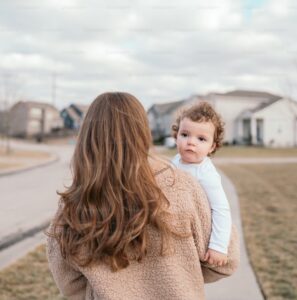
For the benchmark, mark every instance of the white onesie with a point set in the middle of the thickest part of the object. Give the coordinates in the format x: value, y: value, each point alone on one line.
x: 210, y: 180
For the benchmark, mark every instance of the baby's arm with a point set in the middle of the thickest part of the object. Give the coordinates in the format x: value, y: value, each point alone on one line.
x: 221, y: 218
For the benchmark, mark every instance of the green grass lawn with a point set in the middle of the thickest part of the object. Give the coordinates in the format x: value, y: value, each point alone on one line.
x: 268, y: 201
x: 239, y: 151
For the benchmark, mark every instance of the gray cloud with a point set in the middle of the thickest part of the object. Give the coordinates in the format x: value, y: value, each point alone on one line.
x: 159, y: 52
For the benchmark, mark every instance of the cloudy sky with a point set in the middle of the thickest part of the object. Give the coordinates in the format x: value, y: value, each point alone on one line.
x: 159, y: 51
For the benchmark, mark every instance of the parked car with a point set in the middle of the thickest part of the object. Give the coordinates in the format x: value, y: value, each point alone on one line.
x: 169, y: 142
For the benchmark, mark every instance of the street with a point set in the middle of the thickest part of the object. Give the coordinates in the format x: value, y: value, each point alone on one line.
x: 29, y: 199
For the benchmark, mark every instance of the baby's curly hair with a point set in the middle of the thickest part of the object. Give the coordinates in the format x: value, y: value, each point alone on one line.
x: 202, y: 112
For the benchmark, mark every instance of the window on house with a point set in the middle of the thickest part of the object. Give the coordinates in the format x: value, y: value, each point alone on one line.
x: 247, y: 137
x: 34, y: 127
x: 36, y: 112
x: 49, y: 115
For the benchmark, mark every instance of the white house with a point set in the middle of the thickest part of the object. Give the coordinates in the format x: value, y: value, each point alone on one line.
x: 251, y: 117
x: 161, y: 117
x: 273, y: 124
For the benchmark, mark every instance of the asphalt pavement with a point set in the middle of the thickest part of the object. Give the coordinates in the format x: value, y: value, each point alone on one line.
x: 28, y: 197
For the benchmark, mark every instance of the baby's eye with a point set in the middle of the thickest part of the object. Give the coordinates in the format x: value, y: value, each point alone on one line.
x: 202, y: 139
x: 184, y: 134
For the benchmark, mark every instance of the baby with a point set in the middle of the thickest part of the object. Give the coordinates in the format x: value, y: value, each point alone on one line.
x: 199, y: 132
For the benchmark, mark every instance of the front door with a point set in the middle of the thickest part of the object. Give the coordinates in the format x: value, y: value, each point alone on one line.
x: 247, y: 137
x: 295, y: 131
x: 259, y: 131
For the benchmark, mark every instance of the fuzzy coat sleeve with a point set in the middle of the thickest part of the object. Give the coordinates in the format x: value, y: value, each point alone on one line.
x: 212, y: 274
x: 71, y: 283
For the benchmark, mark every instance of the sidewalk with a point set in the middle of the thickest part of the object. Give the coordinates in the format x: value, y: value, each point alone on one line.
x: 243, y: 284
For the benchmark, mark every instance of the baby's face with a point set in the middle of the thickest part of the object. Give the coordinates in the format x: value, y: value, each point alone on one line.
x: 195, y: 140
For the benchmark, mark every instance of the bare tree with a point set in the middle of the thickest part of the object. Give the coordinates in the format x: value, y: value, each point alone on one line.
x: 9, y: 91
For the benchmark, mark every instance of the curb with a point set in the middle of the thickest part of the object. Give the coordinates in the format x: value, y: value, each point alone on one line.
x: 21, y: 235
x: 29, y: 168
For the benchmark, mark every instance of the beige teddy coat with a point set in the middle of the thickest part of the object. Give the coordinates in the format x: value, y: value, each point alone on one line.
x: 177, y: 275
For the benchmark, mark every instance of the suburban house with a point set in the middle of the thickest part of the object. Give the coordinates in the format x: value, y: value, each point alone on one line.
x: 162, y: 116
x: 73, y: 115
x: 251, y: 117
x: 29, y: 118
x: 271, y: 124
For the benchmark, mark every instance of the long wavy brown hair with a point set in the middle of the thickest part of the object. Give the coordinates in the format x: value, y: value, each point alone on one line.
x: 114, y: 196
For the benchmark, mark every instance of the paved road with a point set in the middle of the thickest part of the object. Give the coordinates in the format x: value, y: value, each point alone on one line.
x: 11, y: 254
x: 29, y: 199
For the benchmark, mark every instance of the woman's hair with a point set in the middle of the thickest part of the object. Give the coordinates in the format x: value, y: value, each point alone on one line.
x: 202, y: 112
x: 114, y: 196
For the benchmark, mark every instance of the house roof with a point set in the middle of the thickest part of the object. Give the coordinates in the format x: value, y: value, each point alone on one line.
x: 248, y: 112
x: 249, y: 93
x: 264, y: 105
x: 30, y: 104
x: 165, y: 108
x: 82, y: 107
x: 72, y: 114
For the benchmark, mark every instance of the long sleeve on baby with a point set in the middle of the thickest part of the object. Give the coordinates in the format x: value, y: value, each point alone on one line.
x: 220, y: 211
x: 210, y: 180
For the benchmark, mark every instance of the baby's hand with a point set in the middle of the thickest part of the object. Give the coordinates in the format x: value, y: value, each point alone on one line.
x: 216, y: 258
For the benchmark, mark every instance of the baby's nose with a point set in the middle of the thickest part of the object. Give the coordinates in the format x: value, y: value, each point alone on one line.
x: 191, y: 141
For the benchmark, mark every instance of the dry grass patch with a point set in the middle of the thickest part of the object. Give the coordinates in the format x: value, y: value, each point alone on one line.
x: 29, y: 279
x: 7, y: 166
x: 16, y: 153
x: 20, y: 158
x: 268, y: 200
x: 240, y: 151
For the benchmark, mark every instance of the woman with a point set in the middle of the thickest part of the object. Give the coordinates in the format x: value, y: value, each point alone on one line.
x: 129, y: 226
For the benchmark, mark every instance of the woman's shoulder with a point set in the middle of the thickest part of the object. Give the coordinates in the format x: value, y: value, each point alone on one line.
x: 167, y: 174
x: 179, y: 187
